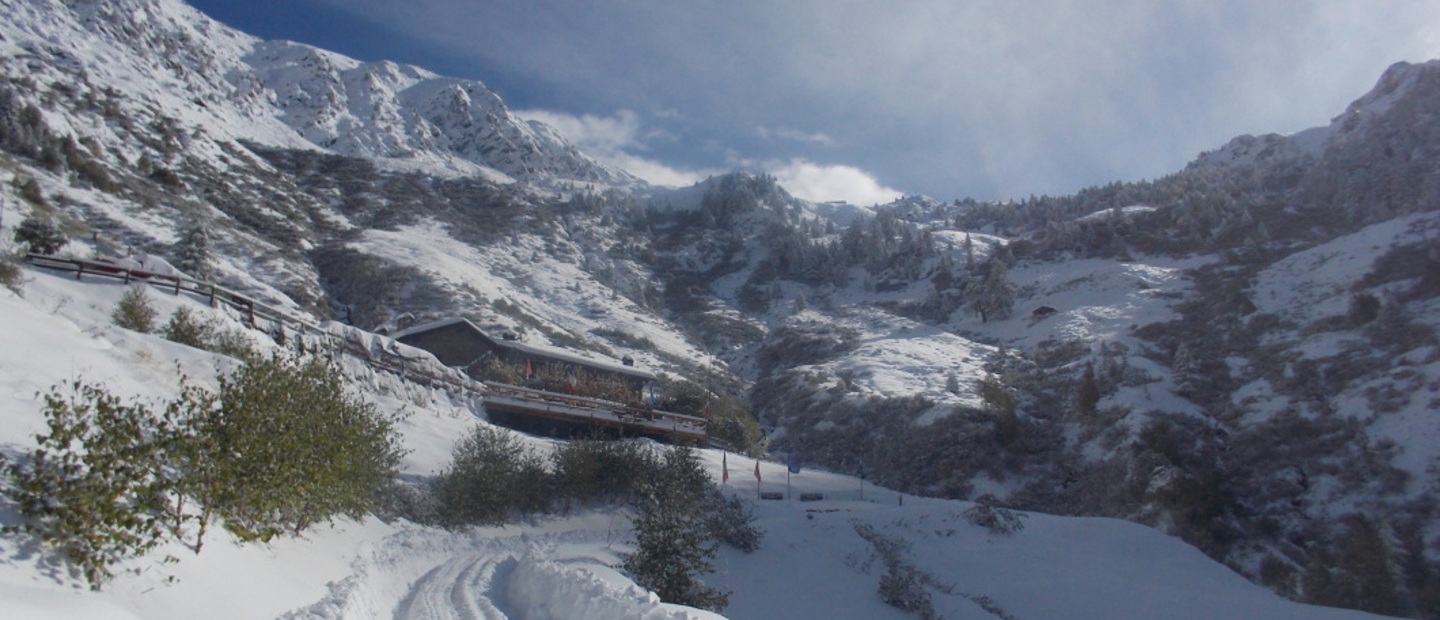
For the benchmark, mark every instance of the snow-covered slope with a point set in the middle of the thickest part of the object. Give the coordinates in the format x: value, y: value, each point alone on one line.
x: 813, y: 562
x: 1228, y: 354
x: 1376, y: 111
x: 161, y: 59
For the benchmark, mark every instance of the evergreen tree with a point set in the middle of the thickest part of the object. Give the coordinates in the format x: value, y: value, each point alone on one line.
x: 40, y: 234
x: 184, y: 328
x: 134, y: 310
x: 192, y: 253
x: 1087, y: 394
x: 673, y: 544
x: 992, y: 296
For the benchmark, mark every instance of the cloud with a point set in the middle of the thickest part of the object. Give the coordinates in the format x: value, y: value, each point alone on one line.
x: 984, y: 98
x: 616, y: 141
x: 823, y: 183
x: 795, y: 135
x: 597, y: 135
x: 621, y: 139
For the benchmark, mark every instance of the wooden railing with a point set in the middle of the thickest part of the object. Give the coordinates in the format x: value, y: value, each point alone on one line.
x: 256, y: 312
x: 214, y: 294
x: 675, y: 425
x: 584, y: 409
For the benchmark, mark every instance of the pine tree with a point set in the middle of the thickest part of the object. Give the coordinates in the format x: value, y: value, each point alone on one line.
x: 40, y: 234
x: 192, y: 253
x: 134, y: 310
x: 992, y: 296
x: 673, y: 546
x: 1087, y: 394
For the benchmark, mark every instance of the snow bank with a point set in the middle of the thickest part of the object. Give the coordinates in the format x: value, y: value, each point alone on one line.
x: 541, y: 589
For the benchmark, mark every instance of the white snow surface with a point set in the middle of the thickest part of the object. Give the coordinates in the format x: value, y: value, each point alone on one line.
x: 1316, y: 283
x: 812, y: 563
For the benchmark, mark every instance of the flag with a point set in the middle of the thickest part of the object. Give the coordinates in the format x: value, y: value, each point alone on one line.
x: 529, y: 369
x: 757, y: 471
x: 706, y: 410
x: 570, y: 380
x: 652, y: 395
x: 725, y: 468
x: 792, y: 462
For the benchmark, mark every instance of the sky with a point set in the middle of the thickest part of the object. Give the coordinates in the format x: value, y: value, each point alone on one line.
x: 866, y: 100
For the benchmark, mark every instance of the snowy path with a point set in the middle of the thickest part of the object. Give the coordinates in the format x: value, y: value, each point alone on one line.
x: 463, y: 588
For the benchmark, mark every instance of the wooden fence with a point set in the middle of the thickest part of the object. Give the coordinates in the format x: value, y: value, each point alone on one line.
x: 214, y: 294
x: 674, y: 426
x: 256, y: 313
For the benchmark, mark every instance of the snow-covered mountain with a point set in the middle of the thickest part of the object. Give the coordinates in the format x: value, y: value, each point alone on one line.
x: 153, y: 60
x: 818, y: 558
x: 1242, y: 354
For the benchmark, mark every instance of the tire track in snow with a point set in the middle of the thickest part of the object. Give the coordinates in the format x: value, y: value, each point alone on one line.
x: 466, y: 587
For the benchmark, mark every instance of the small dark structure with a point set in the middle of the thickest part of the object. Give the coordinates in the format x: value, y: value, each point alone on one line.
x: 1042, y: 312
x: 459, y: 343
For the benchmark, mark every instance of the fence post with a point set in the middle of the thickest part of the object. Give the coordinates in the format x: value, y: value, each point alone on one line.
x: 177, y: 285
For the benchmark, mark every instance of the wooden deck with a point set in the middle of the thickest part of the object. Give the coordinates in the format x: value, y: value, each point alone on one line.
x: 538, y: 405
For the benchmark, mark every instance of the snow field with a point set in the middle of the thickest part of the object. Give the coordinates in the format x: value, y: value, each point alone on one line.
x: 812, y: 563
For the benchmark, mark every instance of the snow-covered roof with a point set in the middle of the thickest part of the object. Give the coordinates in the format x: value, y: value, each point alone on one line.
x: 555, y: 353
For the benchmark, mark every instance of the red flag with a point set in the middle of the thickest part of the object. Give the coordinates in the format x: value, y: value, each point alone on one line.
x: 757, y: 471
x: 529, y: 369
x: 725, y: 468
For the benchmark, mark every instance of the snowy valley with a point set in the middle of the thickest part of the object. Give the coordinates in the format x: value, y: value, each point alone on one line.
x: 1199, y: 396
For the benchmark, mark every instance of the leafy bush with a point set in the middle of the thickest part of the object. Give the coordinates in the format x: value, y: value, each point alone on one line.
x: 294, y: 448
x: 994, y: 517
x: 231, y: 342
x: 134, y: 311
x: 40, y: 234
x: 92, y: 487
x: 491, y: 476
x: 185, y: 329
x: 1354, y: 571
x: 903, y: 586
x: 597, y: 470
x: 278, y: 448
x: 731, y: 521
x: 10, y: 275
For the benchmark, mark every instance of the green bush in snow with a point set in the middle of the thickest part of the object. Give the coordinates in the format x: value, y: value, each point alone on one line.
x: 92, y: 489
x: 135, y: 311
x: 276, y: 449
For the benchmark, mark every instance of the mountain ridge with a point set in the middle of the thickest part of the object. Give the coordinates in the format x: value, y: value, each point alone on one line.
x: 1128, y: 351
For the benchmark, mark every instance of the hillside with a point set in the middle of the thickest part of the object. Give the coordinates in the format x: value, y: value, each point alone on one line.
x: 820, y: 558
x: 1242, y: 354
